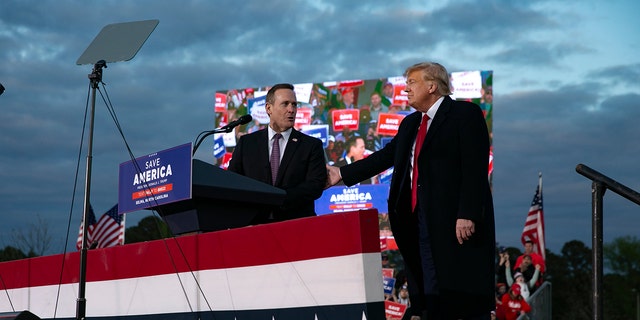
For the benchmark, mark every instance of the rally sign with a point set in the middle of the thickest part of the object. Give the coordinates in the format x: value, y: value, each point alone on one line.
x: 400, y: 97
x: 394, y: 310
x: 359, y: 197
x: 155, y: 179
x: 320, y: 131
x: 345, y: 118
x: 466, y: 84
x: 257, y: 109
x: 303, y: 117
x: 221, y: 102
x: 388, y: 123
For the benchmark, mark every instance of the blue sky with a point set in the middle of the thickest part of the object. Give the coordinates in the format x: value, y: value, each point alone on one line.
x: 566, y: 91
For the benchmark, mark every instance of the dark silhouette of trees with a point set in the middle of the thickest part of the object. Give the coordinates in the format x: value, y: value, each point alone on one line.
x: 149, y: 228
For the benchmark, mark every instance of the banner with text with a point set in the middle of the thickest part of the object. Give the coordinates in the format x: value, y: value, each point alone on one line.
x: 155, y: 179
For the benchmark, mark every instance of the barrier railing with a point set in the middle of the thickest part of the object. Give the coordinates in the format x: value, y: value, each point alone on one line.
x: 540, y: 302
x: 600, y: 184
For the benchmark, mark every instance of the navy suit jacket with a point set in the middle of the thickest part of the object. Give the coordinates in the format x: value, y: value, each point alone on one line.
x: 452, y: 184
x: 302, y: 173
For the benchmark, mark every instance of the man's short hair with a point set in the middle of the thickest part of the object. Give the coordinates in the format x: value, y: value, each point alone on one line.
x: 435, y: 72
x: 271, y: 94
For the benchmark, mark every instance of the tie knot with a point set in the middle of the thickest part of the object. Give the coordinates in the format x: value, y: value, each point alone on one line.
x: 277, y: 136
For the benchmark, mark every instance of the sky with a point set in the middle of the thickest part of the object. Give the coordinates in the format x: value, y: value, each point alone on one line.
x: 566, y: 84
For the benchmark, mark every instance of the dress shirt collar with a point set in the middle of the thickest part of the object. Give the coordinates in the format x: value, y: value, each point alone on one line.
x: 285, y: 134
x: 434, y: 108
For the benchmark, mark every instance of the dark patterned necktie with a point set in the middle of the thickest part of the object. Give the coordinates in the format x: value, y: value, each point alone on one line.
x: 422, y: 132
x: 275, y: 158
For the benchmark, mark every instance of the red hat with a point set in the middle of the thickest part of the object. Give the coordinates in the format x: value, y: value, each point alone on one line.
x: 346, y: 90
x: 248, y: 90
x: 515, y: 288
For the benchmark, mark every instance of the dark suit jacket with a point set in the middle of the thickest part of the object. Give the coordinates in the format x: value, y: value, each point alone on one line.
x: 341, y: 163
x: 452, y: 184
x: 302, y: 172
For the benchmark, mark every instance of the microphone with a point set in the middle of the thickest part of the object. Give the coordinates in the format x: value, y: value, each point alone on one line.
x: 240, y: 121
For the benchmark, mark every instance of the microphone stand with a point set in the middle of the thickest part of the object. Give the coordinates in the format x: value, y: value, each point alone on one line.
x: 95, y: 79
x: 225, y: 129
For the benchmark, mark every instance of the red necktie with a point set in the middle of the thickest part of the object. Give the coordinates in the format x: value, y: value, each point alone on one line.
x: 422, y: 132
x: 275, y: 157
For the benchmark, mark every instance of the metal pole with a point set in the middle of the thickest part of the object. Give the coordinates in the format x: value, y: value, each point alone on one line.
x: 597, y: 190
x: 637, y: 304
x: 81, y: 306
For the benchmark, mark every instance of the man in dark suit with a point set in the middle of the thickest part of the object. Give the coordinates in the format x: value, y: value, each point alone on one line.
x: 355, y: 152
x: 298, y: 160
x: 445, y: 231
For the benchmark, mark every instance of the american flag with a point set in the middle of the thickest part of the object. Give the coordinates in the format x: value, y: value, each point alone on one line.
x: 534, y: 225
x: 90, y: 226
x: 106, y: 232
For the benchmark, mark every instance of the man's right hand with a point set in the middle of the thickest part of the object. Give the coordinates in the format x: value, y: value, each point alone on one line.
x: 333, y: 176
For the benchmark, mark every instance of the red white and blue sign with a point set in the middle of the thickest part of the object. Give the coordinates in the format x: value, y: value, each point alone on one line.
x: 358, y: 197
x: 155, y: 179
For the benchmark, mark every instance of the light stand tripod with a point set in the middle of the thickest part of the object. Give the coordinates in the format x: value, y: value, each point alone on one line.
x: 115, y: 42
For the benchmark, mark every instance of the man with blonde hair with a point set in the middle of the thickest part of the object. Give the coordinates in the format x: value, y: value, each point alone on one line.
x: 440, y: 203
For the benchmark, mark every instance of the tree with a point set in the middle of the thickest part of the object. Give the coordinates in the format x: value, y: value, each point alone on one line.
x: 11, y: 253
x: 149, y: 228
x: 35, y: 240
x: 622, y: 258
x: 571, y: 275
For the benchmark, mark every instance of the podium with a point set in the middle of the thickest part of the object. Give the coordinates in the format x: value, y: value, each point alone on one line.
x: 220, y: 200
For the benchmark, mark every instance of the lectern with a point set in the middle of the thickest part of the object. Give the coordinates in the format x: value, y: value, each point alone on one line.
x: 220, y: 200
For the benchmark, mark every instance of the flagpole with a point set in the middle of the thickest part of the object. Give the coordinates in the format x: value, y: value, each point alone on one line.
x: 541, y: 236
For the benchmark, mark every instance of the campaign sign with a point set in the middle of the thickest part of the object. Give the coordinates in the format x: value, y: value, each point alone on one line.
x: 257, y: 109
x: 303, y: 117
x: 349, y: 118
x: 394, y: 310
x: 342, y: 198
x: 221, y: 102
x: 400, y: 97
x: 388, y: 283
x: 388, y: 123
x: 320, y: 131
x: 155, y: 179
x: 467, y: 84
x: 218, y: 146
x: 387, y: 272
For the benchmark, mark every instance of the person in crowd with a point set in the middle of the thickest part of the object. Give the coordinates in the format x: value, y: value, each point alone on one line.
x: 528, y: 285
x: 330, y: 150
x: 501, y: 290
x: 440, y: 203
x: 535, y: 257
x: 518, y: 279
x: 387, y: 91
x: 500, y: 269
x: 376, y: 107
x: 355, y: 152
x: 403, y: 295
x: 348, y: 98
x: 283, y: 157
x: 514, y: 304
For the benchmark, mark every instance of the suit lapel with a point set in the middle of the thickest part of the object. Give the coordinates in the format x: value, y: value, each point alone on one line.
x: 438, y: 120
x: 263, y: 150
x: 292, y: 145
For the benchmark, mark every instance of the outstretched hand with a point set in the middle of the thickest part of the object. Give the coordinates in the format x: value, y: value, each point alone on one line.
x: 333, y: 176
